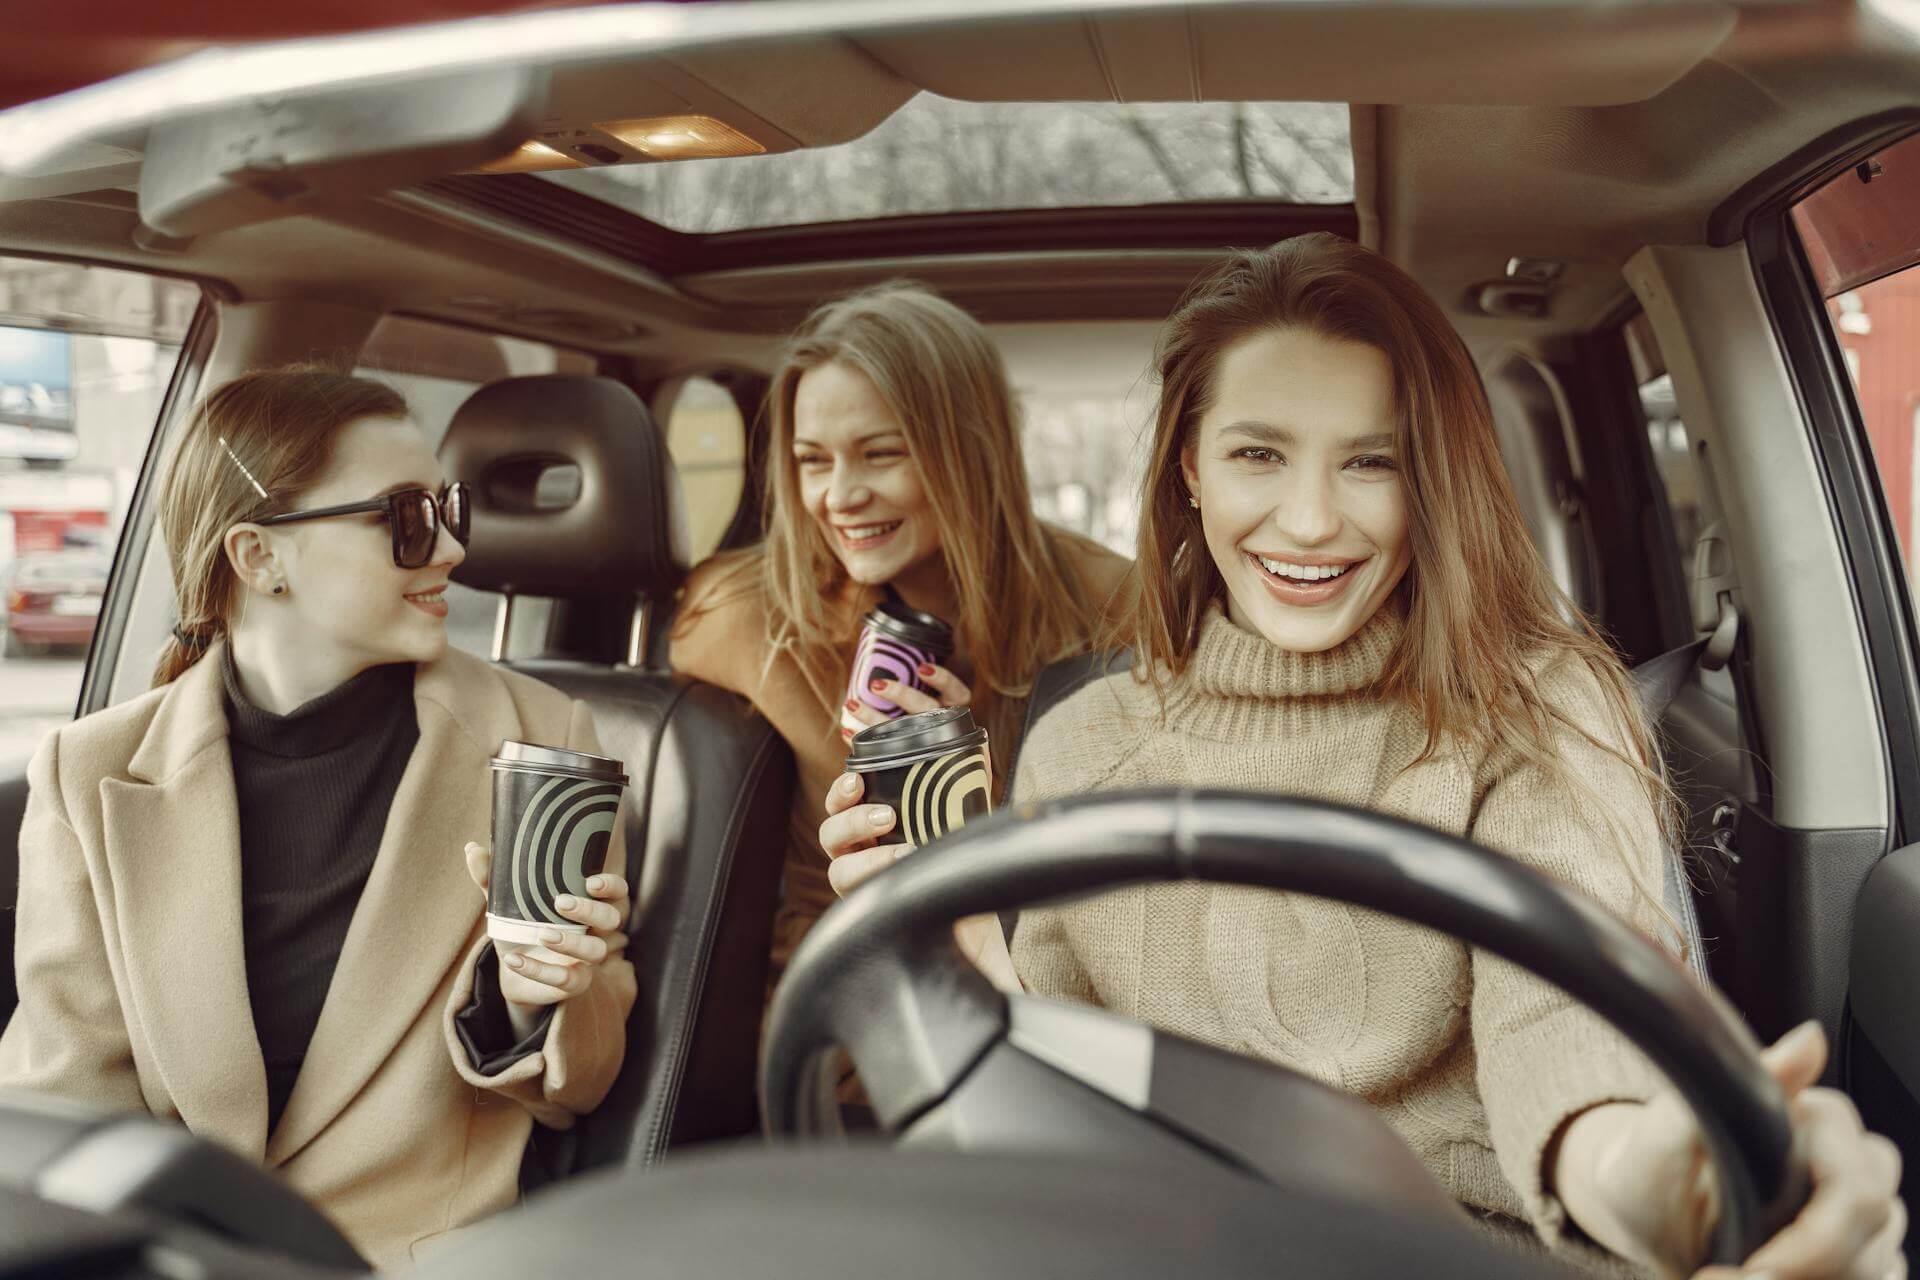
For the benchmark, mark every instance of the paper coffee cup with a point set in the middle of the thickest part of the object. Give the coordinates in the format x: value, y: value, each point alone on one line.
x: 932, y: 769
x: 894, y: 641
x: 553, y: 818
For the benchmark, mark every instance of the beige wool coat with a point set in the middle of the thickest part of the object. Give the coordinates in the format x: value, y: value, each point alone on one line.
x: 133, y: 984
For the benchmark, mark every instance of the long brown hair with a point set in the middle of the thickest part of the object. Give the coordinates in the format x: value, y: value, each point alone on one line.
x: 1485, y: 619
x: 251, y: 449
x: 942, y: 377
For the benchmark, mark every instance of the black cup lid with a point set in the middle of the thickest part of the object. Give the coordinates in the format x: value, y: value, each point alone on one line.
x: 915, y: 627
x: 915, y: 737
x: 535, y: 758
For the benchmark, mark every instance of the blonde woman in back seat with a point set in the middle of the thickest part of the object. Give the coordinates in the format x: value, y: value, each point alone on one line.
x: 249, y: 898
x: 891, y: 417
x: 1337, y: 598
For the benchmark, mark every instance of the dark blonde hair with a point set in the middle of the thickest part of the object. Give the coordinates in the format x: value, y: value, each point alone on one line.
x: 942, y: 376
x: 251, y: 449
x: 1485, y: 620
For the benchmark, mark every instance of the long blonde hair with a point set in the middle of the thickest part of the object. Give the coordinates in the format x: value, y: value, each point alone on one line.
x: 942, y: 377
x: 250, y: 450
x: 1485, y: 619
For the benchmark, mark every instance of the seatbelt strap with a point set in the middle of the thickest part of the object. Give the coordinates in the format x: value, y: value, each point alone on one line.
x: 1659, y: 680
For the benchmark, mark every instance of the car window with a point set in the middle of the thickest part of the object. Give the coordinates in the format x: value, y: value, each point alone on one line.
x: 86, y: 354
x: 1861, y: 233
x: 1085, y: 401
x: 707, y: 436
x: 941, y: 155
x: 436, y: 367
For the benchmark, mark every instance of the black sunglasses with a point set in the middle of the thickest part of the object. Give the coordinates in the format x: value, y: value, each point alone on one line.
x: 413, y: 515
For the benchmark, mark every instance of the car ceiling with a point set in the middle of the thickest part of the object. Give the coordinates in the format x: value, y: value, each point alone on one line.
x: 1572, y: 132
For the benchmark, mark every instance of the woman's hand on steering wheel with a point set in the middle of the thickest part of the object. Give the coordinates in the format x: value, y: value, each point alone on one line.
x: 1637, y: 1178
x: 952, y: 691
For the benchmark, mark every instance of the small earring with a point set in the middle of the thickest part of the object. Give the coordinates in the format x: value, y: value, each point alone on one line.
x: 279, y: 588
x: 1193, y: 502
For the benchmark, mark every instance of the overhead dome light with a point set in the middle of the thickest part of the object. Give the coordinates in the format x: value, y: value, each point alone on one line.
x: 531, y: 156
x: 681, y: 137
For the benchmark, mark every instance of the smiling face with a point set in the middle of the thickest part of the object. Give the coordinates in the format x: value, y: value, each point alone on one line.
x: 344, y: 593
x: 1301, y: 498
x: 856, y: 477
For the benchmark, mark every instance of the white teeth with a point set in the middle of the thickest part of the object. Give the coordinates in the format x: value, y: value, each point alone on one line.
x: 866, y: 531
x: 433, y: 597
x: 1302, y: 572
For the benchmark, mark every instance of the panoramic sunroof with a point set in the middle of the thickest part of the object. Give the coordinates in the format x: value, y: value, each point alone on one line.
x: 938, y: 155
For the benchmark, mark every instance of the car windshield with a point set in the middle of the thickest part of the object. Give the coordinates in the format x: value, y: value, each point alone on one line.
x: 938, y: 155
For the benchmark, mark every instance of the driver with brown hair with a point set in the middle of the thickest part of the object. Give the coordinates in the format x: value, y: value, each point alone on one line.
x: 1337, y: 598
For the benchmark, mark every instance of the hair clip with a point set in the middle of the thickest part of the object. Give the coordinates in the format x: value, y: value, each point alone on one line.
x: 257, y: 486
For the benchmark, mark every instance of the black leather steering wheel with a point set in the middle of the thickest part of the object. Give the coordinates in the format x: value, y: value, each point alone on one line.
x: 880, y: 973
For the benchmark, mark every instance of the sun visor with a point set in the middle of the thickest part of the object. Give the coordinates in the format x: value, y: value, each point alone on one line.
x: 270, y: 157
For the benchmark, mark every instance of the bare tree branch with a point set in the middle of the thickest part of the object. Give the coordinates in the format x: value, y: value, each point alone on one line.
x: 1149, y: 138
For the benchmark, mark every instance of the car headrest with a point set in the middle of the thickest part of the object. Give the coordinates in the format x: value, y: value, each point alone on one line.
x: 623, y: 531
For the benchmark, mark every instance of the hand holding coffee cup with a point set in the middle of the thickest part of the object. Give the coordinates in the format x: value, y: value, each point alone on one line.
x: 852, y: 833
x: 860, y: 841
x: 561, y: 965
x: 553, y: 911
x: 897, y: 668
x: 925, y: 773
x: 948, y: 690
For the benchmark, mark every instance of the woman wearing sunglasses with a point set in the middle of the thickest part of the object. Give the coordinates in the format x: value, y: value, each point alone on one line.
x: 247, y: 898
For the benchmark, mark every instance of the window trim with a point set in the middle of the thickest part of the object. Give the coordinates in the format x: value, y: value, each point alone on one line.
x: 1855, y: 494
x: 583, y: 221
x: 136, y: 531
x: 1776, y: 188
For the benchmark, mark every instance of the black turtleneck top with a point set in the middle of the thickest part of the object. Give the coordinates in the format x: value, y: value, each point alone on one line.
x: 314, y: 788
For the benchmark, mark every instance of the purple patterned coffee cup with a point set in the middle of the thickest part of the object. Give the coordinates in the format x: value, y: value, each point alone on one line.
x: 894, y: 643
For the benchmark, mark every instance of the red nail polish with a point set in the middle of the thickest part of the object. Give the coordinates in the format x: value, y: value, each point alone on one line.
x: 926, y: 669
x: 853, y: 704
x: 877, y: 685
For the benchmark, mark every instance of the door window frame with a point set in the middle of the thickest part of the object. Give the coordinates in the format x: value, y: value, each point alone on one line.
x: 136, y: 531
x: 1838, y: 434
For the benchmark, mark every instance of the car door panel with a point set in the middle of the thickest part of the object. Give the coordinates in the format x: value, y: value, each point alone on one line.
x: 1882, y: 1047
x: 1798, y: 890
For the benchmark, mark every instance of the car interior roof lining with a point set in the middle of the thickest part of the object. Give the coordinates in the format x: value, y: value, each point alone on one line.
x: 612, y: 59
x: 1594, y: 183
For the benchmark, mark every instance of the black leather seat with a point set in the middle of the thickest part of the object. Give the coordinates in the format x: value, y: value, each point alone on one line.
x: 1657, y: 680
x: 705, y: 816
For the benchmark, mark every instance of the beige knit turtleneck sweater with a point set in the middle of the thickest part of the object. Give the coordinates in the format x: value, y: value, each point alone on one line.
x: 1475, y: 1063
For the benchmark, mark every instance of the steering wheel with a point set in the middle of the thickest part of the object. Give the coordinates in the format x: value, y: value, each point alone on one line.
x: 948, y: 1060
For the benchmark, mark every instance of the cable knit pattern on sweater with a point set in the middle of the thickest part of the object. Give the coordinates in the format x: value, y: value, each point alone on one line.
x: 1476, y: 1064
